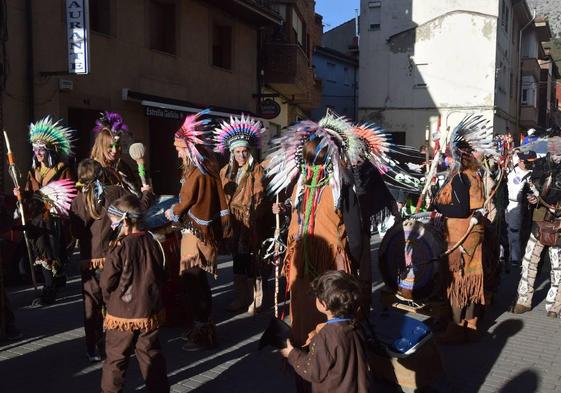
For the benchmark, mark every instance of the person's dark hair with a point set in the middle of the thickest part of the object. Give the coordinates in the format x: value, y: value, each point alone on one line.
x: 311, y: 155
x: 339, y: 291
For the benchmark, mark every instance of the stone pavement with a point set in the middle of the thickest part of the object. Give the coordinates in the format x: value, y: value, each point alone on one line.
x: 518, y: 354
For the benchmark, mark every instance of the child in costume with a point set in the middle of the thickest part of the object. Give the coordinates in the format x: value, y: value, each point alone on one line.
x: 336, y: 360
x: 92, y: 227
x: 131, y: 283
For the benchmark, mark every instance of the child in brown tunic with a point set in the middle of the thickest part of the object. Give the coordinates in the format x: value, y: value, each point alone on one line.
x: 92, y: 227
x: 131, y: 283
x: 336, y: 361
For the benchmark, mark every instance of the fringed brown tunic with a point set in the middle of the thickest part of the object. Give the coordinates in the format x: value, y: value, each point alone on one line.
x: 131, y: 284
x: 244, y: 198
x: 205, y: 218
x: 465, y: 279
x: 311, y: 255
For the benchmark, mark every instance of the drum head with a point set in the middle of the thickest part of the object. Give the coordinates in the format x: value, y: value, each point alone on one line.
x: 410, y: 259
x: 155, y: 217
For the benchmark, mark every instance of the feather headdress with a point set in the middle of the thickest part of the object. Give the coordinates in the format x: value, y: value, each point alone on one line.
x: 190, y: 135
x: 286, y: 160
x: 373, y: 143
x: 473, y: 133
x: 58, y: 195
x: 239, y: 131
x: 51, y: 136
x: 113, y: 121
x: 342, y: 126
x: 395, y: 162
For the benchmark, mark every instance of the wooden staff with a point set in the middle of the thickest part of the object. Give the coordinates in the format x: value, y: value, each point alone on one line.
x: 432, y: 172
x: 276, y: 260
x: 12, y: 170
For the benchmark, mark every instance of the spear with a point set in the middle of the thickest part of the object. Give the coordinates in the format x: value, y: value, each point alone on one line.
x: 12, y: 170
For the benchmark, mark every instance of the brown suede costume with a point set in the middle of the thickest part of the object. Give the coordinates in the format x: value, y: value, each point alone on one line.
x: 132, y: 282
x: 328, y: 250
x: 465, y: 270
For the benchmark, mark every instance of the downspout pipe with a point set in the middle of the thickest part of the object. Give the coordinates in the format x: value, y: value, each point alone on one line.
x: 519, y: 78
x: 30, y: 69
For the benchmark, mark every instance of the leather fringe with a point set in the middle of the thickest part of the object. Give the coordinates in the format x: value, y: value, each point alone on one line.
x: 466, y: 290
x: 112, y: 322
x: 92, y: 264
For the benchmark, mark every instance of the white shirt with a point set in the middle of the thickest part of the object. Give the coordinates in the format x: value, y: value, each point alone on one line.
x: 517, y: 178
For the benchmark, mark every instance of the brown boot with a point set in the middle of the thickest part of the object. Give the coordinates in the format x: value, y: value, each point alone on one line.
x: 473, y: 333
x: 520, y: 309
x: 454, y: 334
x: 241, y: 293
x: 257, y: 286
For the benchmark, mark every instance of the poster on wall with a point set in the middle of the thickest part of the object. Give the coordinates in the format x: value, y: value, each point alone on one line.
x: 77, y: 32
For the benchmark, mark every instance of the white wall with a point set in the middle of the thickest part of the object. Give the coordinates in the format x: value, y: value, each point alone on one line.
x: 446, y: 65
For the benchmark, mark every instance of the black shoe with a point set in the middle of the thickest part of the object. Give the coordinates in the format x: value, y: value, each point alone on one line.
x: 192, y: 346
x: 552, y: 314
x: 94, y: 357
x: 201, y: 337
x: 59, y: 281
x: 12, y: 334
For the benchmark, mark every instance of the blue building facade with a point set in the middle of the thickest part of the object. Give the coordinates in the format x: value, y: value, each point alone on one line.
x: 339, y: 75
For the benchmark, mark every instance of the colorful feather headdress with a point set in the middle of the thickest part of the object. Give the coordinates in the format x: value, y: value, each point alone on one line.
x: 373, y: 143
x: 113, y: 121
x: 51, y: 136
x: 286, y: 161
x: 342, y: 126
x: 243, y: 131
x: 58, y: 195
x: 397, y: 163
x: 473, y: 133
x: 190, y: 135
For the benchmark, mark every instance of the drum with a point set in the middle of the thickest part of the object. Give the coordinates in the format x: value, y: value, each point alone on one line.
x: 177, y: 313
x: 410, y: 256
x: 170, y: 238
x: 155, y: 217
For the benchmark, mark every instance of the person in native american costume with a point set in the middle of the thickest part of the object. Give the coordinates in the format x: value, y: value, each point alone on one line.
x: 461, y: 201
x: 203, y: 215
x: 52, y: 146
x: 132, y: 283
x: 107, y: 149
x: 317, y: 237
x: 91, y: 225
x: 242, y: 182
x: 545, y: 195
x: 366, y: 149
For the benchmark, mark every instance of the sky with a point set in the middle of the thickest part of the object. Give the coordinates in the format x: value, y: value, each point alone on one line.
x: 335, y: 12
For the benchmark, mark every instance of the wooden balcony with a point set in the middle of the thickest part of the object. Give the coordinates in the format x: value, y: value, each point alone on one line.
x: 288, y: 71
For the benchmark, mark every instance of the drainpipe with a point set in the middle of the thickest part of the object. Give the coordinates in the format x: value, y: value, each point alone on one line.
x: 30, y: 71
x: 519, y: 78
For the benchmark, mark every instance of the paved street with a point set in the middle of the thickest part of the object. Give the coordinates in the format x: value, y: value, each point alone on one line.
x: 518, y: 354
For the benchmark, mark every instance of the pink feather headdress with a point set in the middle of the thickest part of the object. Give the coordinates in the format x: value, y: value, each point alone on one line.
x: 190, y: 135
x: 58, y: 195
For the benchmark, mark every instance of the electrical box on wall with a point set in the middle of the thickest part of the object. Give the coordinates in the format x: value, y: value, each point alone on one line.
x: 65, y: 85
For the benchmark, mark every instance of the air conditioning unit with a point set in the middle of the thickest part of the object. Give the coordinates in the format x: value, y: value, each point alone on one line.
x: 65, y: 85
